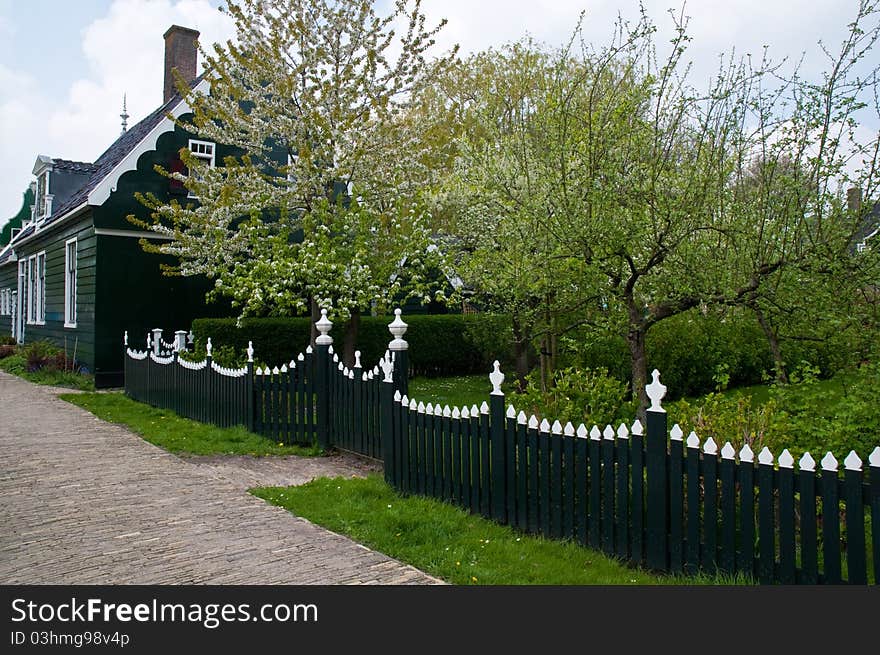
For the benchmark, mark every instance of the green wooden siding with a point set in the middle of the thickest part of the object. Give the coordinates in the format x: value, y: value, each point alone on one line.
x: 53, y: 243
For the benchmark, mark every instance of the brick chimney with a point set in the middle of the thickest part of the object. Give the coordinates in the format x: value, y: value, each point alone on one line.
x: 854, y: 199
x: 180, y: 53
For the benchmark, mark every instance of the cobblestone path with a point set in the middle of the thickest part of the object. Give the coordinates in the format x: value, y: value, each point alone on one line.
x: 86, y: 502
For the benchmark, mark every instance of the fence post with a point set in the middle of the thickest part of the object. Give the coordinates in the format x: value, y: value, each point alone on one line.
x: 656, y: 456
x: 496, y: 444
x: 400, y: 349
x: 179, y: 340
x: 322, y: 387
x: 157, y: 341
x: 249, y: 388
x: 386, y: 418
x: 125, y: 367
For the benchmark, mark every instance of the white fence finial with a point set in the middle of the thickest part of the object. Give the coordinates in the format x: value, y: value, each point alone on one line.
x: 149, y: 342
x: 388, y: 369
x: 125, y: 338
x: 397, y: 328
x: 655, y: 392
x: 496, y: 377
x: 250, y: 351
x: 324, y: 326
x: 357, y: 359
x: 209, y: 347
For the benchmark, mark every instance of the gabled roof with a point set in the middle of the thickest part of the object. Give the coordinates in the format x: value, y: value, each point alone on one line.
x: 120, y: 157
x: 111, y: 157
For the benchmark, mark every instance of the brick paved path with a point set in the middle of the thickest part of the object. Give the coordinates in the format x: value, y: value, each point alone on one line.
x: 86, y: 502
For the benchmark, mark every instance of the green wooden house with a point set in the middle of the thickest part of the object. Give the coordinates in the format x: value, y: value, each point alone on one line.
x: 76, y: 273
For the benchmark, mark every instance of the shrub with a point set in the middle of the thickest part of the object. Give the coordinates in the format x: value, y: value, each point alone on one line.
x: 733, y: 419
x: 40, y: 355
x: 580, y: 396
x: 6, y: 350
x: 7, y: 340
x: 689, y: 350
x: 819, y: 423
x: 439, y: 344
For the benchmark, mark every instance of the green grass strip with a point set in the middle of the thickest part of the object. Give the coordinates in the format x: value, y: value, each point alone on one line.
x: 180, y: 435
x: 448, y: 542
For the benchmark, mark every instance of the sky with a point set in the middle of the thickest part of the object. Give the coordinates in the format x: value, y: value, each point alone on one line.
x: 66, y: 64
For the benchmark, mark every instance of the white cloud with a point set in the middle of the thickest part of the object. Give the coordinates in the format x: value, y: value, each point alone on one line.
x: 124, y: 51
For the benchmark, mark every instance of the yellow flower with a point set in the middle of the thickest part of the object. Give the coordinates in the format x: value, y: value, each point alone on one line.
x: 473, y: 579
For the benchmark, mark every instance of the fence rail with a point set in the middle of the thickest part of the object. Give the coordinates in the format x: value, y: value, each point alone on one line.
x: 642, y: 493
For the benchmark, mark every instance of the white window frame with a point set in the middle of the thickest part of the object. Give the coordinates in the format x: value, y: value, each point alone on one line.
x: 210, y: 159
x: 70, y: 289
x: 31, y: 290
x: 42, y: 199
x: 20, y: 301
x: 41, y: 288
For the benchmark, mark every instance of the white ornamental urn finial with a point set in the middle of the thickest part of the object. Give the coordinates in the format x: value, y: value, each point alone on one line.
x: 125, y: 338
x: 250, y: 351
x: 397, y: 328
x: 357, y: 359
x: 149, y: 342
x: 209, y: 347
x: 496, y: 377
x: 324, y: 326
x: 655, y: 392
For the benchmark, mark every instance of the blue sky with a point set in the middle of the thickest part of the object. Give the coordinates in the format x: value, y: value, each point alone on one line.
x: 65, y: 64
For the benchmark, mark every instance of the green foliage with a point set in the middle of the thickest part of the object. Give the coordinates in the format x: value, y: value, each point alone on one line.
x: 319, y: 200
x: 580, y: 396
x: 690, y: 351
x: 7, y: 340
x: 839, y: 422
x: 44, y: 363
x: 441, y: 344
x: 732, y: 418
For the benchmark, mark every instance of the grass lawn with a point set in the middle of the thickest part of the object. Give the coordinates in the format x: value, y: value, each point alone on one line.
x: 179, y: 435
x: 448, y: 542
x: 453, y: 391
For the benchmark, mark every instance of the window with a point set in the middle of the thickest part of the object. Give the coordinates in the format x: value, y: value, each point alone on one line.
x: 32, y: 289
x: 36, y: 286
x: 41, y: 288
x: 70, y: 283
x: 42, y: 202
x: 203, y: 150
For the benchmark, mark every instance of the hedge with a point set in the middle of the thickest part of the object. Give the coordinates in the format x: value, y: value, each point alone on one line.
x: 439, y: 344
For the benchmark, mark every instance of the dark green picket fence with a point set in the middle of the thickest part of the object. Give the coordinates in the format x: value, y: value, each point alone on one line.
x: 643, y: 493
x: 202, y: 391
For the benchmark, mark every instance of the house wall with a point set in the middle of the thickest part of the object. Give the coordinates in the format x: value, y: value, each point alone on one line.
x: 133, y: 293
x: 81, y: 338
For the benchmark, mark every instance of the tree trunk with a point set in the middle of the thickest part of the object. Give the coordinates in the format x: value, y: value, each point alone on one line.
x: 635, y: 339
x: 773, y: 340
x: 546, y: 378
x: 352, y: 328
x: 521, y: 354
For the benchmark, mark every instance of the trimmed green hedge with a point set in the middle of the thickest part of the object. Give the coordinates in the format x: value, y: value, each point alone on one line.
x: 690, y: 351
x: 439, y: 344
